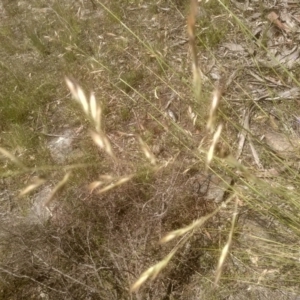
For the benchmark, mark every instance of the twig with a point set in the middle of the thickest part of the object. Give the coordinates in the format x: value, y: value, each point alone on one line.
x: 30, y: 278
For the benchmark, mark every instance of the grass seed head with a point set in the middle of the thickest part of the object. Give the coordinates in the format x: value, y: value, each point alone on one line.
x: 149, y: 155
x: 57, y: 189
x: 103, y: 142
x: 78, y: 94
x: 213, y: 110
x: 7, y: 154
x: 38, y: 182
x: 211, y: 150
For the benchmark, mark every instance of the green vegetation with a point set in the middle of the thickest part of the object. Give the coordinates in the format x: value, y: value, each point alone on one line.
x: 213, y: 23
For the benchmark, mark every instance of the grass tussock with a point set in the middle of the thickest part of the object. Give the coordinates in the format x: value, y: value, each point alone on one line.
x: 180, y: 165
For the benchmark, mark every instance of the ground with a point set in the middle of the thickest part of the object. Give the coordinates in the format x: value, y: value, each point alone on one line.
x: 86, y: 200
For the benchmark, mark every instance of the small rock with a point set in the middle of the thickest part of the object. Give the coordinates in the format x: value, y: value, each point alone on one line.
x: 212, y: 187
x: 156, y: 149
x: 39, y: 213
x: 61, y: 147
x: 282, y: 145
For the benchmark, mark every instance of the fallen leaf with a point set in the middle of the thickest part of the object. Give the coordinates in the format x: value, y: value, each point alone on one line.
x: 274, y: 19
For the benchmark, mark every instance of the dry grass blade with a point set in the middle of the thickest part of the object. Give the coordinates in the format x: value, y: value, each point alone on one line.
x: 244, y: 131
x: 179, y: 232
x: 153, y: 271
x: 255, y: 154
x: 115, y: 184
x: 240, y: 168
x: 213, y: 111
x: 226, y: 248
x: 96, y: 112
x: 92, y: 186
x: 57, y: 189
x: 192, y: 115
x: 11, y: 157
x: 93, y: 106
x: 211, y: 150
x: 38, y: 182
x: 147, y: 152
x: 104, y: 179
x: 191, y: 26
x: 242, y: 135
x: 191, y: 32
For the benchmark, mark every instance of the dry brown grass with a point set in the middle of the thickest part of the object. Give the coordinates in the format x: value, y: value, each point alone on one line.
x: 157, y: 142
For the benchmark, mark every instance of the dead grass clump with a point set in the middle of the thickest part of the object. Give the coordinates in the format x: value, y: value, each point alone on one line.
x: 154, y: 158
x: 47, y: 264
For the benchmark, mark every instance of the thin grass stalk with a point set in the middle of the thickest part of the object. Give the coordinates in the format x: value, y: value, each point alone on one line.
x: 226, y: 248
x: 191, y: 26
x: 57, y: 189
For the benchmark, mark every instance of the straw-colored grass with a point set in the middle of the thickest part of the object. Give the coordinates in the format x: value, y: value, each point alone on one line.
x: 169, y: 126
